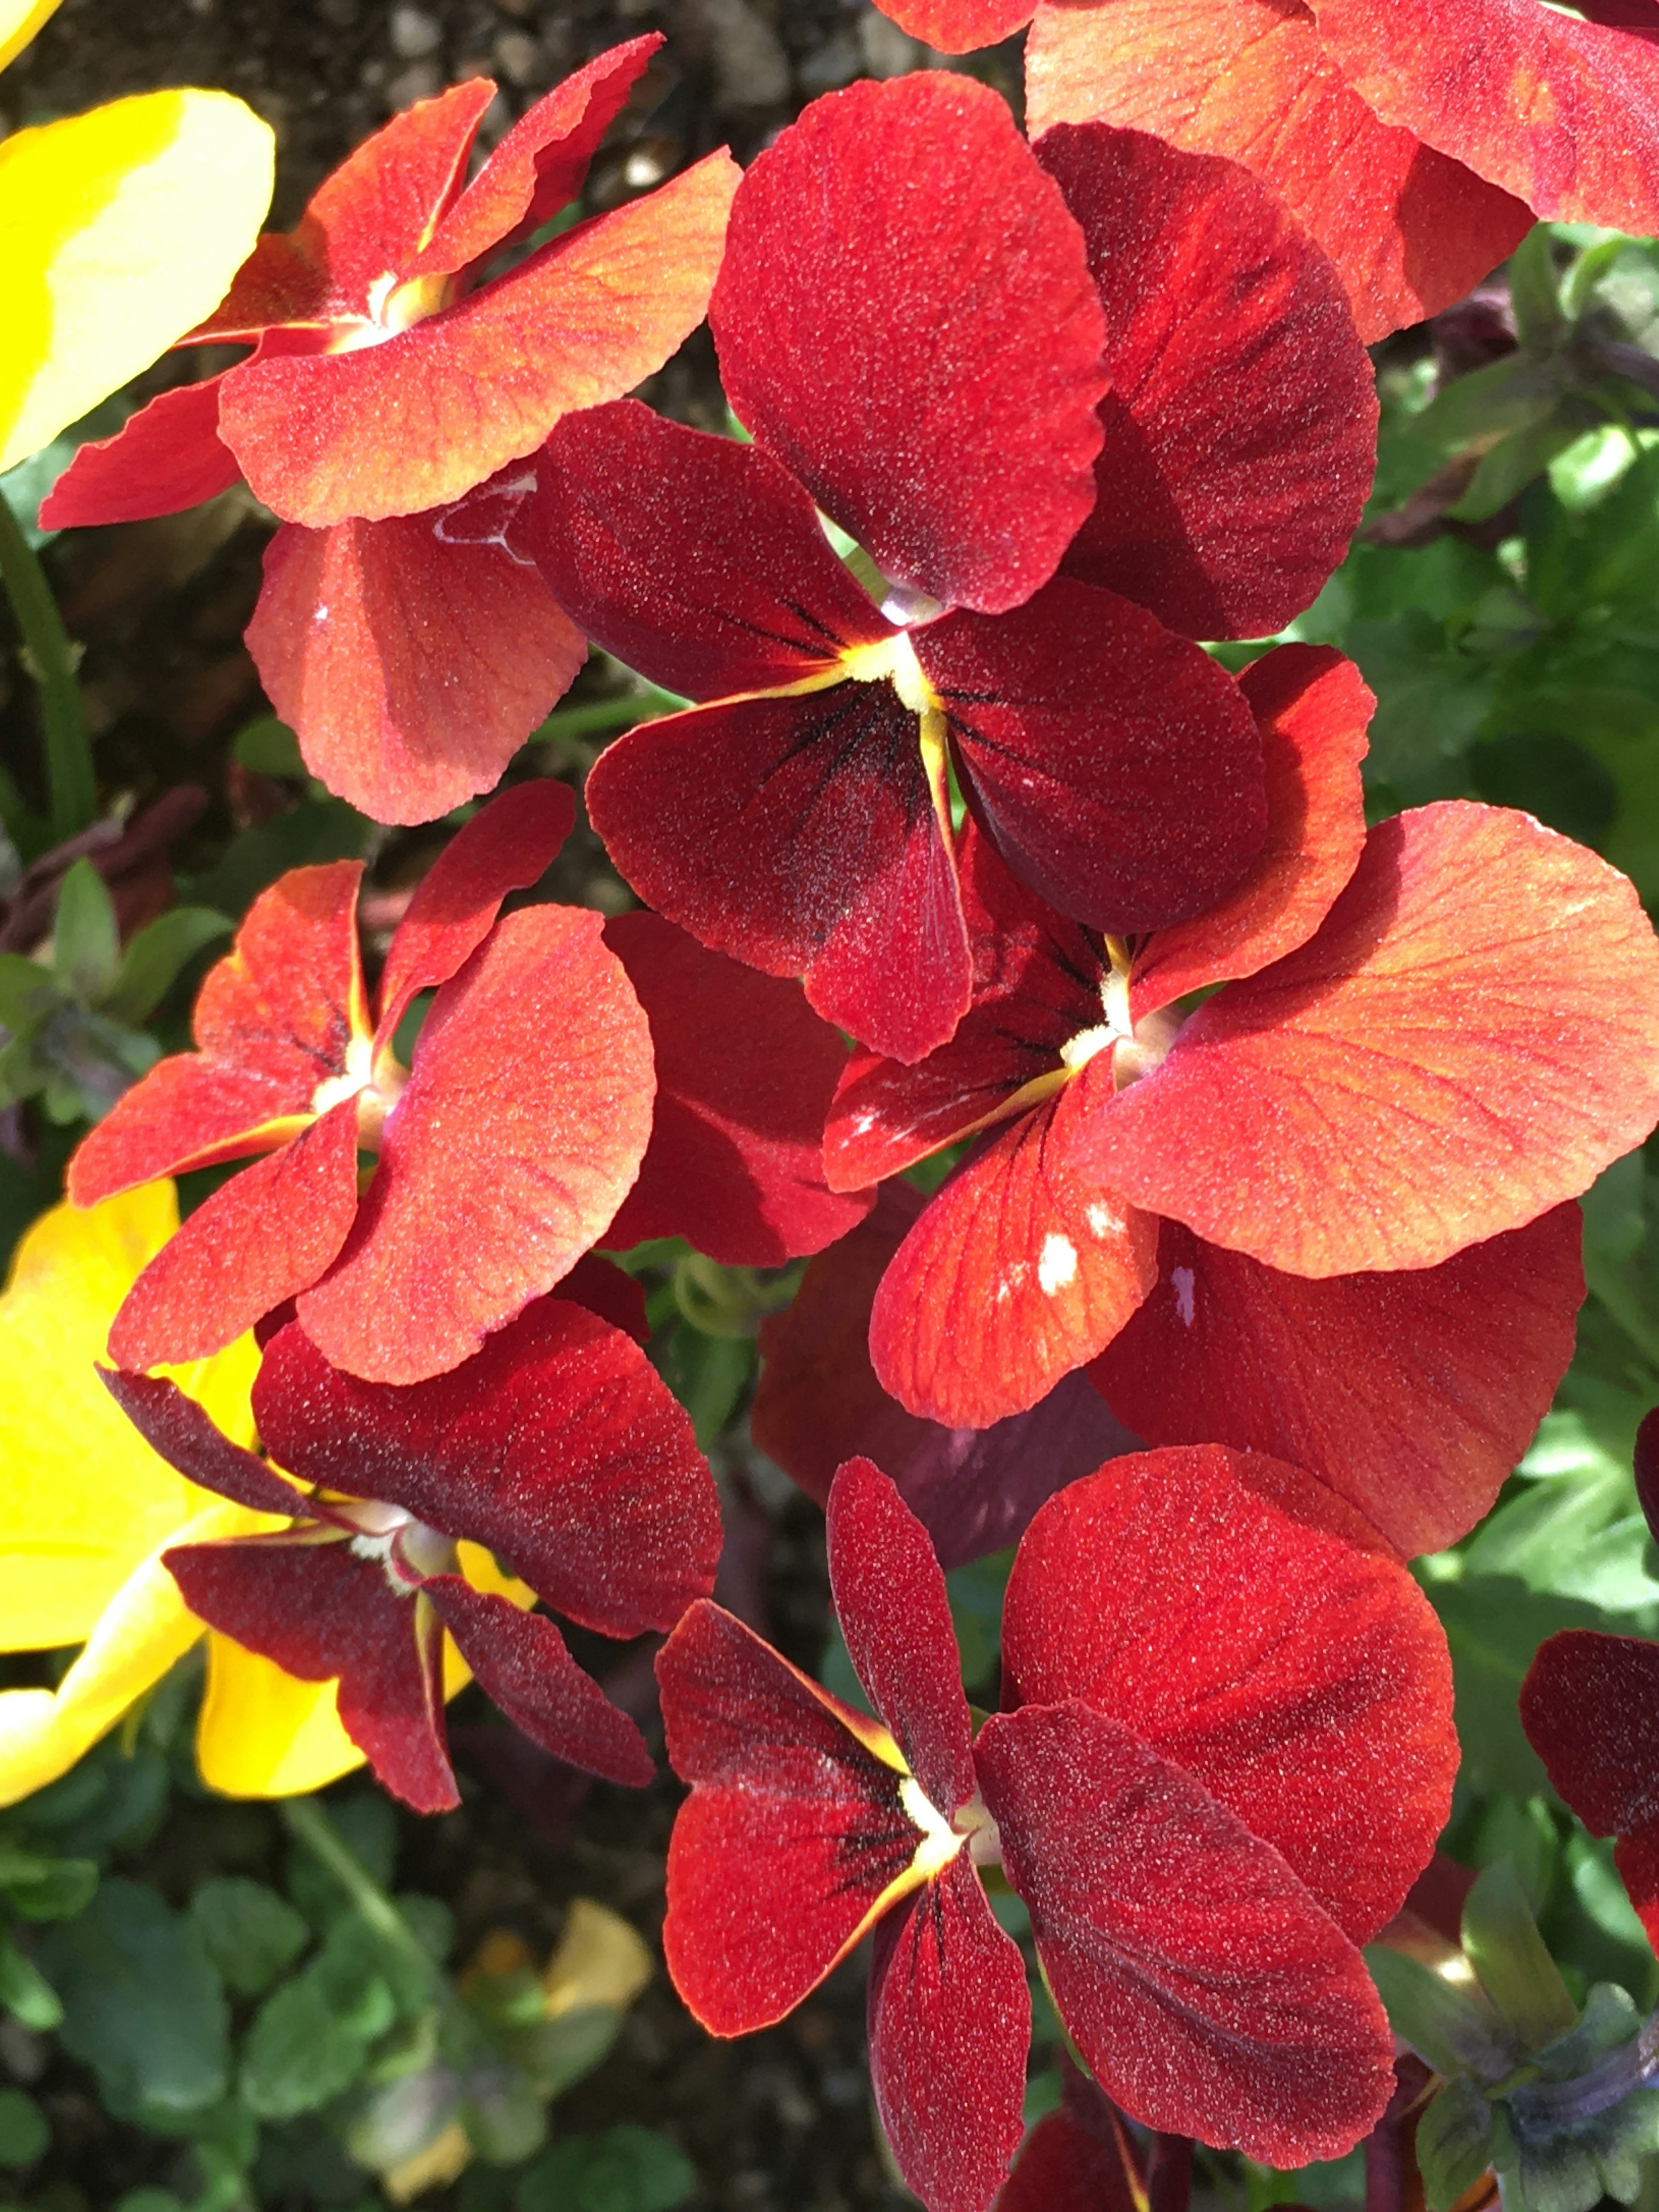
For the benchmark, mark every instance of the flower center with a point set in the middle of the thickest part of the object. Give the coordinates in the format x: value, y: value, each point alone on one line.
x: 376, y: 1086
x: 406, y: 1549
x: 1138, y: 1048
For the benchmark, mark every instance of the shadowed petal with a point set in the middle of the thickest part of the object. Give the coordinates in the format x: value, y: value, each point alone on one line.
x: 1221, y: 1607
x: 1206, y: 1990
x: 898, y: 261
x: 1590, y: 1708
x: 186, y: 1436
x: 1412, y: 1393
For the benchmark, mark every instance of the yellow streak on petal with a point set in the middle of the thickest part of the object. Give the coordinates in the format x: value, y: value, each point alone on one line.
x: 118, y: 231
x: 18, y: 21
x: 83, y: 1500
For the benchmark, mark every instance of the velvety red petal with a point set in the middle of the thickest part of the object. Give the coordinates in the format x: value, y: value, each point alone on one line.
x: 800, y: 836
x: 186, y: 1436
x: 1471, y: 1037
x: 1077, y: 2159
x: 1220, y: 1607
x: 539, y: 165
x: 1017, y: 1272
x: 521, y: 1664
x: 698, y: 561
x: 792, y: 1841
x: 1645, y: 1465
x: 889, y: 1596
x: 319, y: 1611
x: 263, y: 1237
x: 1590, y: 1708
x: 524, y: 1122
x: 1208, y: 1993
x: 898, y: 261
x: 817, y: 1403
x: 602, y: 1287
x: 1311, y: 708
x: 1413, y: 1394
x: 949, y: 2022
x: 1037, y: 983
x: 585, y: 319
x: 1240, y: 422
x: 1565, y: 115
x: 1115, y: 765
x: 167, y: 456
x: 745, y: 1071
x: 507, y: 846
x: 273, y: 1022
x: 1637, y: 1858
x: 957, y: 27
x: 1409, y: 230
x: 557, y: 1447
x: 412, y: 670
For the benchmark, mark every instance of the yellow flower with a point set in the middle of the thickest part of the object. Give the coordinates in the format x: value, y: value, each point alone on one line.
x: 120, y: 230
x: 87, y: 1509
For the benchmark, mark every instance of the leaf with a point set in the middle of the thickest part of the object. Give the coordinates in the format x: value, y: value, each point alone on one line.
x: 251, y: 1933
x: 1533, y: 293
x: 86, y: 942
x: 1494, y: 1625
x: 623, y: 2169
x: 1454, y: 2143
x: 46, y: 1888
x: 24, y: 2135
x: 24, y: 1992
x: 268, y: 747
x: 1443, y: 2023
x: 319, y: 832
x: 1502, y: 1942
x: 302, y: 2050
x: 154, y: 958
x: 142, y: 2005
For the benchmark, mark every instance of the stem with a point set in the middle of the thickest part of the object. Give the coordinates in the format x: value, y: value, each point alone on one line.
x: 1547, y: 2108
x: 308, y: 1823
x: 1169, y: 2173
x: 610, y: 713
x: 71, y: 784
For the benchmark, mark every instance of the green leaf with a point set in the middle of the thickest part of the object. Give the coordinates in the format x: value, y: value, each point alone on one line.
x: 24, y: 2135
x: 40, y: 1888
x: 1504, y: 472
x: 504, y: 2115
x: 1502, y: 1943
x: 142, y: 2005
x: 1608, y: 2019
x: 623, y: 2169
x: 1512, y: 395
x: 1533, y: 293
x: 1454, y: 2143
x: 302, y: 2051
x: 269, y: 748
x: 155, y: 957
x: 251, y: 1934
x: 86, y: 939
x: 1448, y: 2026
x: 25, y: 1992
x: 26, y: 991
x: 319, y: 831
x: 1494, y: 1625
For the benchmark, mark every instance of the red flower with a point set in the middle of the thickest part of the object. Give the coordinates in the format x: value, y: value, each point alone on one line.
x: 504, y: 1150
x: 1443, y: 1030
x: 556, y: 1448
x: 1226, y: 1750
x: 1415, y: 139
x: 1590, y: 1708
x: 910, y: 321
x: 392, y: 375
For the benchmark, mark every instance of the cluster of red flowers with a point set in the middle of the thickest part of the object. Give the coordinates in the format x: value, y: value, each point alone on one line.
x: 977, y: 795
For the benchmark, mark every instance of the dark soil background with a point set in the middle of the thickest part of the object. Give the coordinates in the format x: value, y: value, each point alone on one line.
x: 780, y: 2121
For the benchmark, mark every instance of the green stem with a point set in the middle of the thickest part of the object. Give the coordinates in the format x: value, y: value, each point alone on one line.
x: 71, y: 784
x: 308, y: 1823
x: 610, y: 714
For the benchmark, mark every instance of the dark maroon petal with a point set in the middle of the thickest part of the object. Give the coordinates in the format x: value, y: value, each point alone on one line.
x: 557, y: 1447
x: 1118, y: 767
x: 696, y: 560
x: 1206, y: 1990
x: 1647, y: 1470
x: 888, y: 1591
x: 745, y: 1073
x: 793, y: 1839
x: 319, y: 1611
x: 1240, y: 423
x: 1079, y: 2158
x: 1590, y: 1708
x: 800, y: 836
x: 905, y: 317
x: 522, y: 1665
x: 604, y: 1288
x: 950, y: 2020
x: 186, y: 1436
x: 818, y: 1403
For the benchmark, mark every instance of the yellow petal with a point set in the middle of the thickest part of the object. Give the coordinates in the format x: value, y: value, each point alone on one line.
x: 443, y: 2159
x: 18, y: 21
x: 263, y: 1734
x: 143, y: 1630
x: 602, y: 1964
x: 120, y: 230
x: 83, y: 1497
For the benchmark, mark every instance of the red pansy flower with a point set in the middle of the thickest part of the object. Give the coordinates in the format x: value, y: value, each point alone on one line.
x: 1415, y: 139
x: 556, y: 1450
x: 1590, y: 1708
x: 910, y: 321
x: 819, y: 1402
x: 1436, y: 1033
x: 504, y: 1149
x: 1078, y: 2158
x: 1226, y: 1751
x: 392, y: 374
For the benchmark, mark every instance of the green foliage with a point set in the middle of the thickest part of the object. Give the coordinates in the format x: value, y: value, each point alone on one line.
x: 625, y: 2169
x: 249, y: 1933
